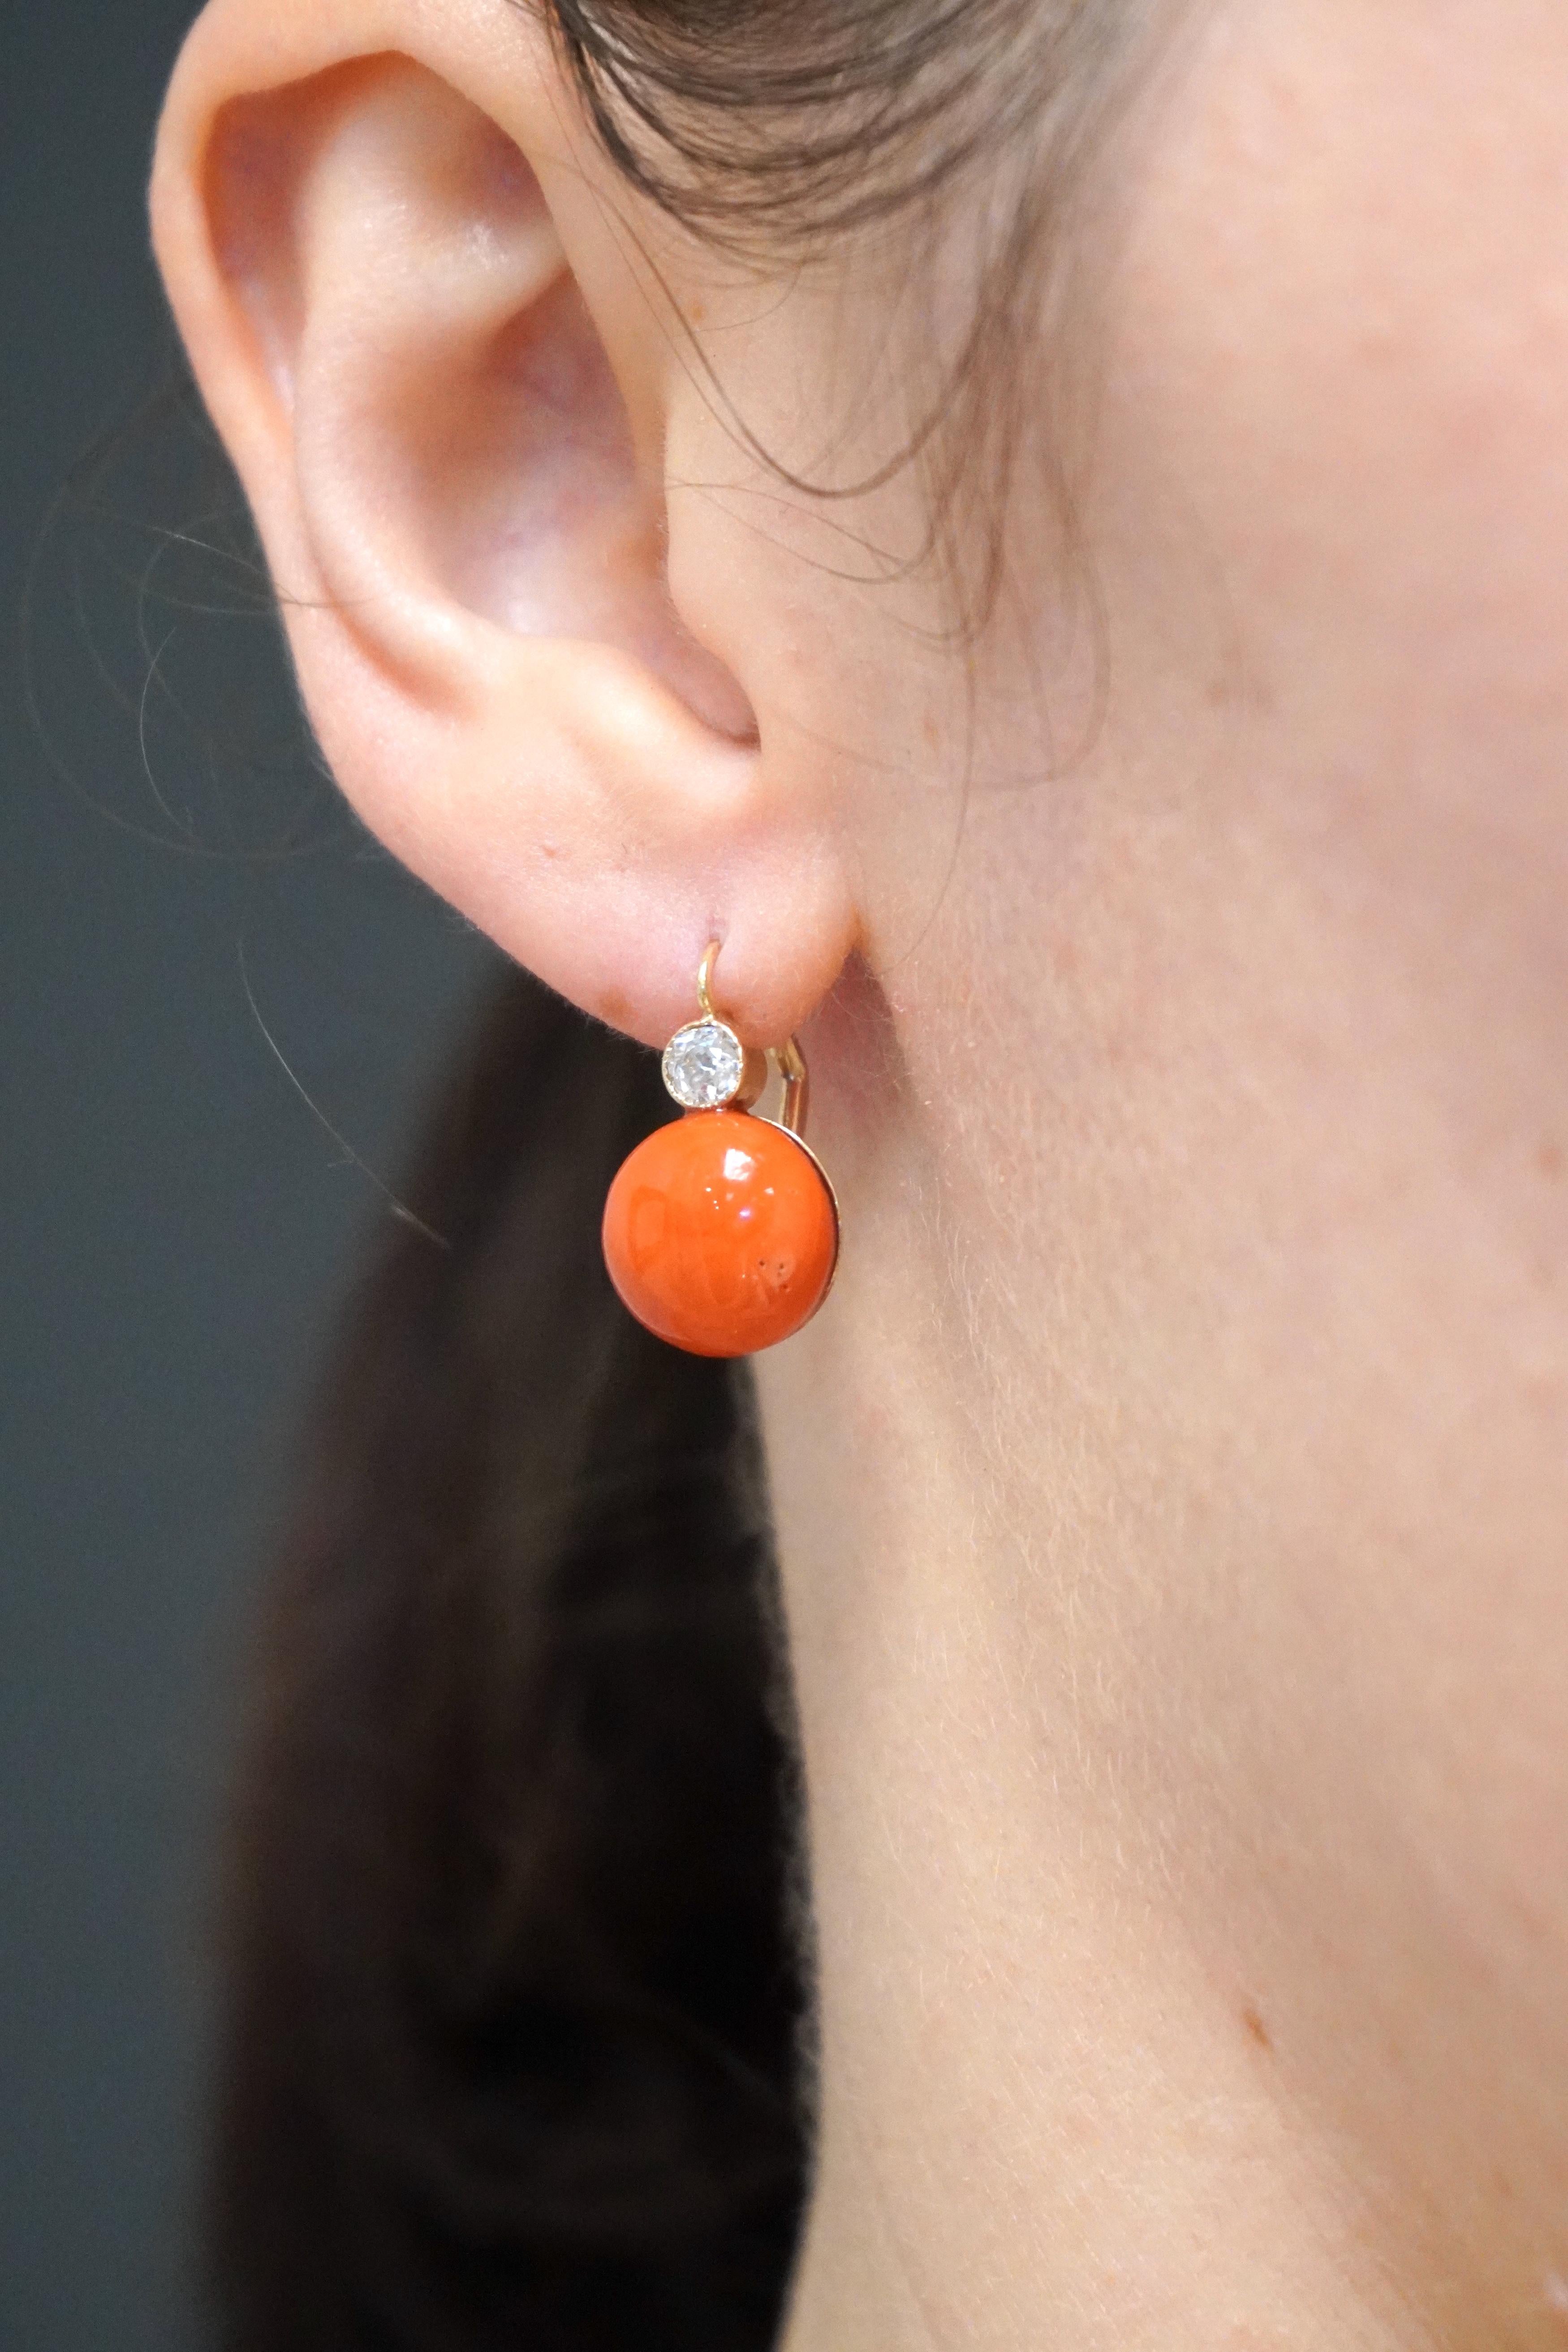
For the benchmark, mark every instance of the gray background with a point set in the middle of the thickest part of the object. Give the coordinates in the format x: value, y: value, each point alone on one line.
x: 175, y: 1224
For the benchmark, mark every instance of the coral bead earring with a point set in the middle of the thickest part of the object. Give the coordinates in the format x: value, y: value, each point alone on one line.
x: 720, y: 1231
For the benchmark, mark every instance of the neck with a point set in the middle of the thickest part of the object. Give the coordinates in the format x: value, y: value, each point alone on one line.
x: 1046, y: 2117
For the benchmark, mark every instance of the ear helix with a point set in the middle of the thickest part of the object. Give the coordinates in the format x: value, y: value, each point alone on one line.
x: 720, y: 1231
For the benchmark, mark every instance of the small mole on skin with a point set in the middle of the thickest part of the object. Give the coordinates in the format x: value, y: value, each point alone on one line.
x: 1256, y: 2031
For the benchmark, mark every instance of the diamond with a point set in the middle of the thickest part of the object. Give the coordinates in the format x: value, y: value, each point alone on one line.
x: 703, y: 1065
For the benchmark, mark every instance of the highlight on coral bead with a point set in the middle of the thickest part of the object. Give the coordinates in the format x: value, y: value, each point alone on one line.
x: 720, y: 1233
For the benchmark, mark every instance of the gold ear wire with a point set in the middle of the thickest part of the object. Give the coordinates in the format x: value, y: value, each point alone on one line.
x: 791, y: 1061
x: 796, y: 1087
x: 705, y: 979
x: 722, y: 1229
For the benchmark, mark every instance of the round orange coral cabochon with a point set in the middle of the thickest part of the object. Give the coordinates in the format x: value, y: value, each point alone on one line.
x: 720, y: 1233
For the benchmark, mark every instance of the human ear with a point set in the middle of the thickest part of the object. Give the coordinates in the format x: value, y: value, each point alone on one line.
x: 444, y: 384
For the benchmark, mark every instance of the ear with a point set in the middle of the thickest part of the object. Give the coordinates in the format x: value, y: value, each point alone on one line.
x: 394, y: 258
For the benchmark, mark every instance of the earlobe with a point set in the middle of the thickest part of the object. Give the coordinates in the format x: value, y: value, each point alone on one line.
x: 472, y: 561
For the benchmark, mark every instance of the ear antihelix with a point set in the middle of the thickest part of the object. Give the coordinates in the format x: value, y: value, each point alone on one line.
x: 721, y: 1230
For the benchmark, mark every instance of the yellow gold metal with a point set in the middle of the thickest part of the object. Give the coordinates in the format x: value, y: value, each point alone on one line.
x: 790, y: 1062
x: 753, y: 1081
x: 796, y: 1087
x: 705, y: 979
x: 832, y: 1203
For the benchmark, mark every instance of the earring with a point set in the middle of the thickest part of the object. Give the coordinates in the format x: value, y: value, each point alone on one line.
x: 720, y: 1231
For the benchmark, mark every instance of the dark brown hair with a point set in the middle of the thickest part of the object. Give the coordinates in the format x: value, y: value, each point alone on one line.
x: 512, y: 2000
x: 512, y: 2052
x: 802, y: 120
x: 777, y: 128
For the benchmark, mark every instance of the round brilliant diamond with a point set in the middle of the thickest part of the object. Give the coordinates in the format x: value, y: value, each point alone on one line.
x: 703, y: 1065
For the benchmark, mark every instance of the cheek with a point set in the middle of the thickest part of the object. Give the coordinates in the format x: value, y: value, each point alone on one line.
x: 1306, y: 1061
x: 1341, y: 345
x: 1332, y: 505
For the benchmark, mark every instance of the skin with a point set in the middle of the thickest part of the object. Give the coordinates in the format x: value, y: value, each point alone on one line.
x: 1171, y: 1495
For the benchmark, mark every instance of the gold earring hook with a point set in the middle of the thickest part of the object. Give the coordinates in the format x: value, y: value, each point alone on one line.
x: 705, y: 979
x: 796, y: 1089
x: 791, y: 1061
